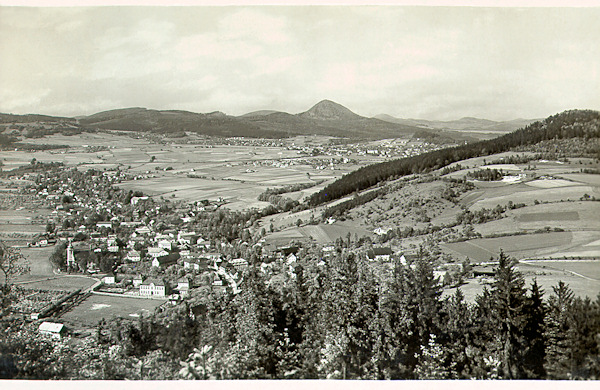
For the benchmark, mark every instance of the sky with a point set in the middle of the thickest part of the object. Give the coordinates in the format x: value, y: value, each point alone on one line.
x: 438, y: 63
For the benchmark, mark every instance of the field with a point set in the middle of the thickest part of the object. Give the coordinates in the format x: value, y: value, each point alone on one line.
x: 64, y: 283
x: 96, y: 307
x: 321, y: 234
x: 237, y: 173
x: 551, y: 216
x: 546, y: 278
x: 38, y: 260
x: 525, y: 246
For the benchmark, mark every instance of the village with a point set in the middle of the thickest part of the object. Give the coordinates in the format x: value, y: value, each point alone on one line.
x: 136, y: 246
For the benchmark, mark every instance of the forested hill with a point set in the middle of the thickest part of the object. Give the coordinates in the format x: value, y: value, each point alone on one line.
x: 568, y: 124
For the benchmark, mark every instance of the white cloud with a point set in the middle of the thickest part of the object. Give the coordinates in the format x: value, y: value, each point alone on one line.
x: 439, y: 63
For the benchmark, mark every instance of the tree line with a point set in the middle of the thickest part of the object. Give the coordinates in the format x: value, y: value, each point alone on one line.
x: 569, y: 124
x: 342, y: 319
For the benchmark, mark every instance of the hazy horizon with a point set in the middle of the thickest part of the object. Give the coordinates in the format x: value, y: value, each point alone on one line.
x: 437, y: 63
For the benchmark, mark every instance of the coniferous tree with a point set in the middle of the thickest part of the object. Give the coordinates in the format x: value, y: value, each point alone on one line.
x: 558, y: 323
x: 508, y: 305
x: 534, y: 349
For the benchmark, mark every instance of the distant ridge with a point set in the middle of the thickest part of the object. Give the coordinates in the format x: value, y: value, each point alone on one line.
x: 462, y: 124
x: 326, y: 118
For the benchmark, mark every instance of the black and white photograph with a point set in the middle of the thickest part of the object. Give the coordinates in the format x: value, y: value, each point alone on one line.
x: 325, y: 193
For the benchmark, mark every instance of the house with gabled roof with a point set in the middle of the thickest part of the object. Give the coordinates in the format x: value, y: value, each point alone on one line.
x: 133, y: 255
x: 380, y: 254
x: 157, y: 252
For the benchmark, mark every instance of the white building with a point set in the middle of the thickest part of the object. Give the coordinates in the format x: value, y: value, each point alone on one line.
x: 133, y: 255
x: 137, y: 281
x: 157, y: 252
x: 109, y: 279
x: 165, y: 244
x: 70, y: 256
x: 153, y: 288
x: 239, y: 263
x: 51, y: 329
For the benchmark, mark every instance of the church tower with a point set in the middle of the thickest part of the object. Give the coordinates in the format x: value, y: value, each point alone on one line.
x: 70, y: 256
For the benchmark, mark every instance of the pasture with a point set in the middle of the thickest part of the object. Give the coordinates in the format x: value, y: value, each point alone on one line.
x: 96, y: 307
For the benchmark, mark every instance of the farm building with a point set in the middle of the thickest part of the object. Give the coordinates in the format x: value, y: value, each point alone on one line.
x: 380, y: 254
x: 165, y: 261
x: 52, y: 329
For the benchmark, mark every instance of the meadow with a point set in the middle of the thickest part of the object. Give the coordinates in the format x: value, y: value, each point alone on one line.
x: 96, y: 307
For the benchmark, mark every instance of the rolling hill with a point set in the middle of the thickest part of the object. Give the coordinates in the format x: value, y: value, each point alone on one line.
x: 466, y: 124
x: 324, y: 118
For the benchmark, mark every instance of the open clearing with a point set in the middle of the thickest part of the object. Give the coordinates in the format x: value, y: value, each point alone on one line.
x: 587, y: 268
x: 96, y: 307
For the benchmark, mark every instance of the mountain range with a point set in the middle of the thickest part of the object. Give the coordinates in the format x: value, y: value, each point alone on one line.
x: 324, y: 118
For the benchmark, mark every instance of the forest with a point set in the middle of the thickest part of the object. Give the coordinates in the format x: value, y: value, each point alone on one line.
x: 344, y: 318
x: 583, y: 124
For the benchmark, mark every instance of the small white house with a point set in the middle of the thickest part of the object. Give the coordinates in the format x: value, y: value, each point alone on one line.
x: 137, y: 280
x: 133, y: 255
x: 291, y: 259
x: 239, y: 263
x: 157, y: 252
x: 109, y: 279
x: 143, y: 230
x: 183, y: 283
x: 165, y: 244
x: 52, y: 329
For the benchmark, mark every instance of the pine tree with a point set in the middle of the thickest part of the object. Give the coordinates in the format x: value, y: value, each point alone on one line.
x: 508, y: 303
x: 534, y: 353
x: 558, y: 324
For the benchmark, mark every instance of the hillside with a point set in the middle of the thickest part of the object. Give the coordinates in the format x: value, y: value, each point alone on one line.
x: 174, y: 121
x: 29, y: 118
x: 569, y: 124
